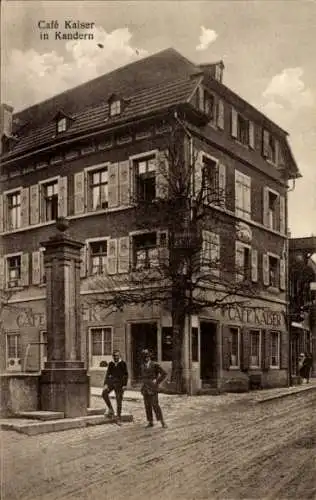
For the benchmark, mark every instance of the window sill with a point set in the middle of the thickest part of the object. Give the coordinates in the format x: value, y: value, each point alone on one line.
x: 273, y: 289
x: 234, y: 368
x: 274, y: 367
x: 257, y: 367
x: 13, y: 288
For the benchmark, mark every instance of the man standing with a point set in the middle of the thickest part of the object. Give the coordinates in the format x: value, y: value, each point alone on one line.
x: 115, y: 379
x: 152, y: 376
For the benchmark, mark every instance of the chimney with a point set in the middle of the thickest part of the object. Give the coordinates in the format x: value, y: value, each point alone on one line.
x: 6, y: 112
x: 215, y: 70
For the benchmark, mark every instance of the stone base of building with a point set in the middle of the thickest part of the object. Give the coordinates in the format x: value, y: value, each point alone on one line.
x: 18, y: 392
x: 66, y: 390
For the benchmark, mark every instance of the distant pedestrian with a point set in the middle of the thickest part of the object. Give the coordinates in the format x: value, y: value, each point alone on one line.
x: 304, y: 367
x: 115, y: 380
x: 152, y: 376
x: 309, y: 363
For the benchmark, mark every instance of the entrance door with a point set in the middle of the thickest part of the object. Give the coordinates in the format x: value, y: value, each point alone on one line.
x: 208, y: 354
x: 144, y: 336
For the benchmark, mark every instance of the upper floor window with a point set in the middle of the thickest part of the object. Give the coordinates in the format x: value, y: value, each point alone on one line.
x: 61, y: 125
x: 145, y: 251
x: 13, y: 271
x: 270, y: 146
x: 209, y: 105
x: 242, y: 129
x: 210, y: 178
x: 99, y: 189
x: 98, y: 257
x: 50, y: 200
x: 115, y: 107
x: 210, y: 253
x: 273, y: 210
x: 14, y: 210
x: 145, y: 171
x: 274, y: 271
x: 242, y: 195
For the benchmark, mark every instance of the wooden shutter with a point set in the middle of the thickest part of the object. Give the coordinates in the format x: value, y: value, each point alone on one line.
x: 162, y: 175
x: 34, y: 204
x: 284, y: 350
x: 25, y: 201
x: 113, y: 185
x: 234, y: 123
x: 265, y: 209
x: 205, y: 255
x: 83, y: 261
x: 79, y: 193
x: 163, y: 247
x: 254, y: 265
x: 42, y: 265
x: 36, y: 268
x: 282, y: 215
x: 266, y: 144
x: 222, y: 183
x: 247, y: 206
x: 198, y: 173
x: 25, y: 269
x: 251, y: 134
x: 2, y: 273
x: 201, y: 98
x: 265, y: 269
x: 239, y: 261
x: 124, y: 182
x: 245, y: 349
x: 112, y: 256
x: 282, y: 274
x: 62, y: 196
x: 265, y: 349
x: 1, y: 214
x: 123, y: 254
x: 226, y: 347
x: 220, y: 114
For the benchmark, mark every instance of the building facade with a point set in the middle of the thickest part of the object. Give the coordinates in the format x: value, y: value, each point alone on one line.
x: 83, y: 154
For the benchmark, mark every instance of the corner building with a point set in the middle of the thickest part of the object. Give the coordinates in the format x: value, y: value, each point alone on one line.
x: 80, y: 155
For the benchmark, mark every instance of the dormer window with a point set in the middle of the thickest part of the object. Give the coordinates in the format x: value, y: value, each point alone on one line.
x: 61, y: 125
x: 115, y: 107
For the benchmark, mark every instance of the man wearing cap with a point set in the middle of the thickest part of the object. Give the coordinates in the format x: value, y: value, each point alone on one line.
x: 152, y: 376
x: 115, y: 379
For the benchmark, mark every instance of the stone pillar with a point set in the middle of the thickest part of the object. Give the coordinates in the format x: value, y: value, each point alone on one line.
x: 64, y: 383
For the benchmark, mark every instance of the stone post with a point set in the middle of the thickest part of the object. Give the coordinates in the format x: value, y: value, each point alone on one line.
x: 64, y: 383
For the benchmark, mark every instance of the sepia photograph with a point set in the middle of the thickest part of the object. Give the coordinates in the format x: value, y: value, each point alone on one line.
x: 158, y: 250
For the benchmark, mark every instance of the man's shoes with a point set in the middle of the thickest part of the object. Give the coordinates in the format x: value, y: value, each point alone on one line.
x: 109, y: 414
x: 118, y: 421
x: 164, y: 425
x: 150, y: 424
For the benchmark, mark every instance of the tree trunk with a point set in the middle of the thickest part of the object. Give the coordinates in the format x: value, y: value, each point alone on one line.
x: 178, y: 326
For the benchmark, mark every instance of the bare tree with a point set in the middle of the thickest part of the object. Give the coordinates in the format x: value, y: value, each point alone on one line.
x: 186, y: 275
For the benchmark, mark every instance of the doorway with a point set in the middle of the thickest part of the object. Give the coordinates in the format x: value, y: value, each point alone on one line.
x: 143, y: 336
x: 208, y: 353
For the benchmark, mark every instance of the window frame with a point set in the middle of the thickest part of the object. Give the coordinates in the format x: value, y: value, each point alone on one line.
x: 133, y: 256
x: 88, y: 197
x: 115, y: 107
x: 237, y: 365
x: 61, y: 125
x: 101, y: 357
x: 278, y: 365
x: 18, y: 351
x: 204, y: 176
x: 9, y: 256
x: 269, y: 159
x: 277, y: 212
x: 89, y: 262
x: 42, y: 203
x: 251, y: 331
x: 136, y: 159
x: 277, y: 258
x: 241, y: 212
x: 6, y: 195
x: 246, y: 276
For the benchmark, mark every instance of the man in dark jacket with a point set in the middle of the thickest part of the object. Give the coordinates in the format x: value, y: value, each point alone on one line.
x: 152, y: 376
x: 115, y: 380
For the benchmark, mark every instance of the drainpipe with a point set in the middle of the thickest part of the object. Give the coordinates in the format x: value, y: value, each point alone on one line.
x: 287, y: 298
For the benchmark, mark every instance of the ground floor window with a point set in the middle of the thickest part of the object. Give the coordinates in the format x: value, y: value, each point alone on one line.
x: 275, y: 349
x: 101, y: 345
x: 234, y: 347
x: 13, y: 341
x: 43, y: 345
x: 255, y: 348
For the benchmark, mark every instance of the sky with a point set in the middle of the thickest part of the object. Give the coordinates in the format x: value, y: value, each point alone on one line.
x: 267, y: 47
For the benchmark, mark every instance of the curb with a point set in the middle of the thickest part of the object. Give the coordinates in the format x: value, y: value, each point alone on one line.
x: 281, y: 396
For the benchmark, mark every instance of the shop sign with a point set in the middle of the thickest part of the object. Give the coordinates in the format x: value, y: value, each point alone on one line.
x: 255, y: 315
x: 30, y: 318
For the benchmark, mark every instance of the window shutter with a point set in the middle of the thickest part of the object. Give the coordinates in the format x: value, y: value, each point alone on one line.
x: 163, y: 247
x: 234, y: 123
x: 198, y: 173
x: 34, y: 204
x: 1, y: 214
x: 201, y: 98
x: 79, y: 193
x: 282, y: 274
x: 36, y: 268
x: 2, y: 273
x: 276, y: 152
x: 215, y: 254
x: 226, y: 348
x: 265, y: 269
x: 42, y: 265
x: 251, y: 135
x: 113, y: 185
x: 265, y: 349
x: 62, y: 196
x: 112, y: 256
x: 282, y: 214
x: 123, y: 256
x: 124, y: 182
x: 25, y: 201
x: 266, y: 207
x: 83, y: 261
x: 254, y: 265
x: 205, y: 251
x: 266, y: 143
x: 245, y: 349
x: 25, y: 269
x: 162, y: 175
x: 239, y: 261
x: 220, y: 114
x: 284, y: 350
x: 222, y: 183
x: 248, y: 197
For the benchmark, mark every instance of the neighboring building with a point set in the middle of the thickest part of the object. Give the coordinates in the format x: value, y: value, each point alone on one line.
x: 302, y: 298
x: 79, y: 155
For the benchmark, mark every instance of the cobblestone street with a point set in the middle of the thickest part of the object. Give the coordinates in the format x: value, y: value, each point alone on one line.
x: 214, y: 448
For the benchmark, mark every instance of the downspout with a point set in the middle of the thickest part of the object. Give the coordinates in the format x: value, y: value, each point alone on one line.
x: 287, y: 298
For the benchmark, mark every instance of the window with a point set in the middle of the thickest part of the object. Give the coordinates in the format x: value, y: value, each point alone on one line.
x: 275, y: 349
x: 273, y: 210
x: 269, y: 147
x: 242, y: 195
x: 242, y: 129
x: 209, y: 105
x: 13, y: 351
x: 234, y: 347
x: 166, y: 343
x: 61, y: 125
x: 13, y: 271
x: 255, y: 348
x: 210, y: 179
x: 243, y: 262
x: 210, y: 257
x: 145, y: 170
x: 115, y: 107
x: 145, y: 251
x: 101, y: 344
x: 98, y: 257
x: 14, y: 210
x: 50, y: 201
x: 99, y: 189
x: 274, y: 271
